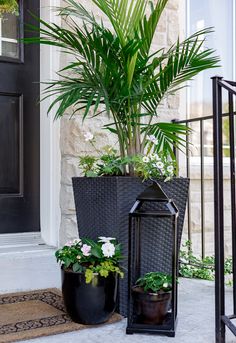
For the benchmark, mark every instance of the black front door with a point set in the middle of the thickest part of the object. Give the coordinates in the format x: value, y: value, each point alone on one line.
x: 19, y: 124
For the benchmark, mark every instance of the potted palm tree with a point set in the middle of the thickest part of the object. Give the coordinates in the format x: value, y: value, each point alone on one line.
x: 115, y: 71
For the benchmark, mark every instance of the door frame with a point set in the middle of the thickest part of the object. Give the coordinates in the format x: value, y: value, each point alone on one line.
x: 50, y: 153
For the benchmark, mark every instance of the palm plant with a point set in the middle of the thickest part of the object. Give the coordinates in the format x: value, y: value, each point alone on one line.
x: 116, y: 68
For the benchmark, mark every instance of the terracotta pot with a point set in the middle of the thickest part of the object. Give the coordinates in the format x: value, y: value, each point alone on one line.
x: 151, y: 308
x: 92, y: 303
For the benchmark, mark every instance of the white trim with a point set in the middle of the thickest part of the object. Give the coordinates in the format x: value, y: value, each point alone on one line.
x: 182, y: 35
x: 50, y: 156
x: 20, y: 239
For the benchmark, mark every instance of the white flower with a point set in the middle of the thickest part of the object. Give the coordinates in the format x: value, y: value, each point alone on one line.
x: 159, y: 165
x: 152, y: 139
x: 145, y: 159
x: 170, y: 169
x: 88, y: 136
x: 86, y: 249
x: 152, y: 157
x: 106, y: 239
x: 155, y: 141
x: 165, y: 285
x: 77, y: 241
x: 108, y: 249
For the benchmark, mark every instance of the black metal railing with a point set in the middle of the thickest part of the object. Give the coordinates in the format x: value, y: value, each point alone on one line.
x: 203, y: 146
x: 188, y: 123
x: 222, y: 320
x: 217, y: 135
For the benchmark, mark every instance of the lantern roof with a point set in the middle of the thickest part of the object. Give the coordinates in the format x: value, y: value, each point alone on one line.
x: 153, y: 193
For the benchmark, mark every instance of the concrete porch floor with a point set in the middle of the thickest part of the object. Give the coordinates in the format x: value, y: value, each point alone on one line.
x: 195, y: 323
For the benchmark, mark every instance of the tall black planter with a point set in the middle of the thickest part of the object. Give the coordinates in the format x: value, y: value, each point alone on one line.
x: 102, y: 208
x: 92, y: 303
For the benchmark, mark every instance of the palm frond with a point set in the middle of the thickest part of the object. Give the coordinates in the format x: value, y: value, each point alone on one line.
x: 167, y: 74
x: 148, y: 25
x: 125, y: 16
x: 169, y: 135
x: 115, y: 68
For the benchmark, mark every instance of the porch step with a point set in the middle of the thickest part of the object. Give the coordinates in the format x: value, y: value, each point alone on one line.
x: 28, y: 267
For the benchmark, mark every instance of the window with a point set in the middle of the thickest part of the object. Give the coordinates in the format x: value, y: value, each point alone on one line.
x: 220, y: 15
x: 9, y: 37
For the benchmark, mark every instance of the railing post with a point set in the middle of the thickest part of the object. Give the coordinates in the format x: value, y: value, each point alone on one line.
x: 218, y: 211
x: 233, y: 193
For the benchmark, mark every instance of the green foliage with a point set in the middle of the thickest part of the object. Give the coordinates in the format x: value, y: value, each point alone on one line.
x: 114, y: 67
x: 88, y: 256
x: 192, y: 266
x: 109, y: 163
x: 155, y: 282
x: 154, y: 166
x: 8, y: 6
x: 103, y: 269
x: 87, y: 164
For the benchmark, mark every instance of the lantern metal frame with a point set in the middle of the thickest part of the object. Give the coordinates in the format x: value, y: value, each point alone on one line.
x: 152, y: 194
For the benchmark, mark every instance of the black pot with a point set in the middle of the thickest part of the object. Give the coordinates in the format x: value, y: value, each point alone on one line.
x: 92, y: 303
x: 102, y: 208
x: 151, y: 308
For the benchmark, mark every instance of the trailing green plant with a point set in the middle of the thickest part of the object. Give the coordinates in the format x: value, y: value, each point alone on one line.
x: 116, y: 68
x: 8, y: 6
x: 192, y: 266
x: 91, y: 257
x: 155, y: 282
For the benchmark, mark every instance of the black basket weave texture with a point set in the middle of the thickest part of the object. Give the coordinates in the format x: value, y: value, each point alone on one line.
x: 102, y: 208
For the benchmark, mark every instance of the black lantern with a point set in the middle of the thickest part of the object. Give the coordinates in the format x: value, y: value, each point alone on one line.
x: 152, y: 214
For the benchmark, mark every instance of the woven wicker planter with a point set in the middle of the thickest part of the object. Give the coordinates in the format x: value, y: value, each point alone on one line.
x: 102, y: 207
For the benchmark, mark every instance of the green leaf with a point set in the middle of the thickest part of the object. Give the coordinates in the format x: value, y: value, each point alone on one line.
x: 91, y: 173
x: 77, y: 267
x: 96, y: 251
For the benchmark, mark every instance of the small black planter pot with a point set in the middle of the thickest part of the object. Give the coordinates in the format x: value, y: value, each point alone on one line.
x: 92, y: 303
x: 151, y: 308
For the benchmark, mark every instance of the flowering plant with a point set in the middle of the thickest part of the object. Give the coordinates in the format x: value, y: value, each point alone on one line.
x: 148, y: 166
x: 91, y: 257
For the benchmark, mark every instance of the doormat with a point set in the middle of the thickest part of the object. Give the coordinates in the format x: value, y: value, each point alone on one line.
x: 34, y: 314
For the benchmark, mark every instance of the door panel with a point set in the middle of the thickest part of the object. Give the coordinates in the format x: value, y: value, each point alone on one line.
x: 19, y: 125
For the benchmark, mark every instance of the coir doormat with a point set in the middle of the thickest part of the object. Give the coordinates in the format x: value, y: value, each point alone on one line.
x: 34, y: 314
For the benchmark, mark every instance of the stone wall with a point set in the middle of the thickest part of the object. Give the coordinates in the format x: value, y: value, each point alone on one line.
x: 72, y: 130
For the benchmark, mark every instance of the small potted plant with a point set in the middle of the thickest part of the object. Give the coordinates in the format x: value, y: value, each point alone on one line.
x: 152, y: 295
x: 90, y: 271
